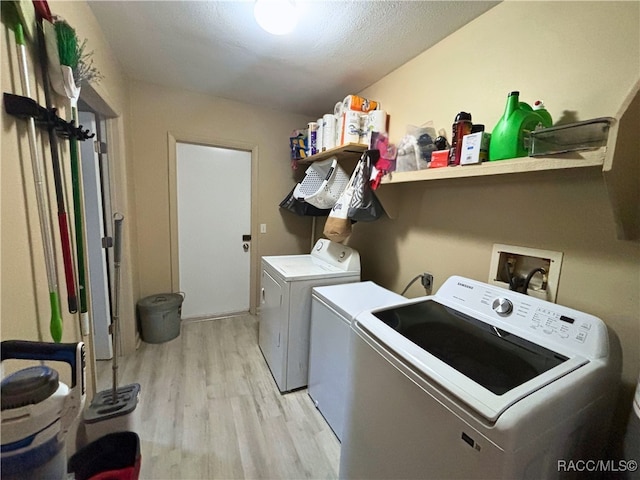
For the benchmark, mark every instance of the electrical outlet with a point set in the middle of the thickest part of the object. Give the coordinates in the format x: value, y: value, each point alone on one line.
x: 427, y: 282
x: 512, y: 265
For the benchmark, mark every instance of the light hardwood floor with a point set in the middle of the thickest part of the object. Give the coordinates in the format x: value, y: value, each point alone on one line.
x: 210, y: 409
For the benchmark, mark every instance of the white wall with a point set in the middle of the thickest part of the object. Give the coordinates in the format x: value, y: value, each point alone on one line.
x: 160, y: 111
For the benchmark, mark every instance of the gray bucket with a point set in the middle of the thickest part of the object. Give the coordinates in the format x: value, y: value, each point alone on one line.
x: 160, y: 317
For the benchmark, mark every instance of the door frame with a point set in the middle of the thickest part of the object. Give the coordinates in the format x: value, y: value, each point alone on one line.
x: 178, y: 137
x: 100, y: 160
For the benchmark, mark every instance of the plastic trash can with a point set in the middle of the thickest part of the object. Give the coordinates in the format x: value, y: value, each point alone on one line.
x: 160, y: 317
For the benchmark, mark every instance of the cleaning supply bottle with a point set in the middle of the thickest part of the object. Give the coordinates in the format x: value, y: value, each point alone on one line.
x: 508, y: 136
x: 461, y: 127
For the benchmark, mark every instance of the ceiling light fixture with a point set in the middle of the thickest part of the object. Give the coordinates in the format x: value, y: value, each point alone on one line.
x: 277, y: 17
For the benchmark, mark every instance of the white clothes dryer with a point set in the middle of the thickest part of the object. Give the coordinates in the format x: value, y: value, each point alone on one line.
x: 285, y: 309
x: 477, y: 382
x: 332, y: 310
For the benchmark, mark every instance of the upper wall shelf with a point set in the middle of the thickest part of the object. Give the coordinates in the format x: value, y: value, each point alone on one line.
x: 352, y: 151
x: 592, y: 158
x: 347, y: 151
x: 619, y: 162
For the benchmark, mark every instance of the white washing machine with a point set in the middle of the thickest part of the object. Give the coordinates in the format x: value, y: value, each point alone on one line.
x: 332, y: 310
x: 632, y: 439
x: 285, y: 310
x: 477, y: 382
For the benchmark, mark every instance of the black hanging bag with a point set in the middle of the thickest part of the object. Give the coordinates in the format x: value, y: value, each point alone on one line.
x: 365, y: 206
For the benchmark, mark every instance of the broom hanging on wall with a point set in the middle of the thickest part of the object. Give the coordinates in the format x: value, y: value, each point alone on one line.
x: 73, y: 66
x: 68, y: 59
x: 27, y: 10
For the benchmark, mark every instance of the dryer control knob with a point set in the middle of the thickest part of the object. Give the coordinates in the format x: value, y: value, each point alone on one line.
x: 502, y: 306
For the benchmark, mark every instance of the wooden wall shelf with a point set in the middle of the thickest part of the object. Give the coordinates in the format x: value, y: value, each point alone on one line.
x: 348, y: 151
x: 589, y: 158
x: 619, y: 163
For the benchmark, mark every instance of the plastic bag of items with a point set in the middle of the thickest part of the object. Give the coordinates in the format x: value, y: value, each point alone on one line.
x: 414, y: 150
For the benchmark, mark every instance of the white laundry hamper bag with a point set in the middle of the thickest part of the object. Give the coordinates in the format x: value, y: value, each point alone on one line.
x: 323, y: 183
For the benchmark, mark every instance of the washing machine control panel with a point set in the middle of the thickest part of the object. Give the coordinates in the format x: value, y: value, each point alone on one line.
x: 502, y: 306
x: 547, y: 321
x: 530, y: 317
x: 340, y: 256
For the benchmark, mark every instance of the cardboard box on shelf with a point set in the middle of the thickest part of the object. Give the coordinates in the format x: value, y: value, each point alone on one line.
x: 439, y: 158
x: 475, y: 148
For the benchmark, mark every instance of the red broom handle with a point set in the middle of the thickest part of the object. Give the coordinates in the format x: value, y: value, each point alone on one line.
x: 68, y: 262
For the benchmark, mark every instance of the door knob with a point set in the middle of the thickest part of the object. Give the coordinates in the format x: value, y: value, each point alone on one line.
x: 245, y: 247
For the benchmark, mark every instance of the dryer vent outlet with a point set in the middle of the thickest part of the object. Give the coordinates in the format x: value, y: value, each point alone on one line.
x: 512, y: 265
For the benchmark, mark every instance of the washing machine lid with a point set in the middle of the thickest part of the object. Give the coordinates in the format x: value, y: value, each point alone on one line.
x: 350, y: 299
x: 304, y: 267
x: 487, y: 361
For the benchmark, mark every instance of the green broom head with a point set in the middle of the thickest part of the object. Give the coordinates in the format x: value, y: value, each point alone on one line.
x: 11, y: 18
x: 67, y: 44
x: 73, y: 54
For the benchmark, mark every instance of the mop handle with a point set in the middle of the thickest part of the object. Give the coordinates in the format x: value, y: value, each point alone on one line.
x: 78, y: 213
x: 115, y: 334
x: 118, y: 218
x: 45, y: 227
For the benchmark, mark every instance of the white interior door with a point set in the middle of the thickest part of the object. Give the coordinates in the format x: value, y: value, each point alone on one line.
x: 214, y: 228
x: 96, y: 205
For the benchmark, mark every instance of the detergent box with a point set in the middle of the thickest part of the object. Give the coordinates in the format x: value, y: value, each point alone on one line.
x: 475, y: 148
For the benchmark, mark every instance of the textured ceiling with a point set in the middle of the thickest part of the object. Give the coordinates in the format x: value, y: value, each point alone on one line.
x: 216, y: 47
